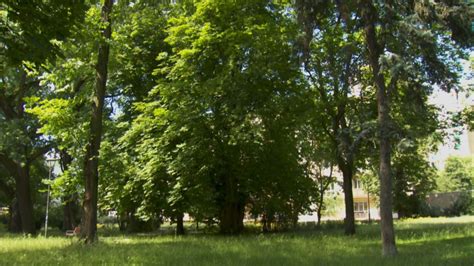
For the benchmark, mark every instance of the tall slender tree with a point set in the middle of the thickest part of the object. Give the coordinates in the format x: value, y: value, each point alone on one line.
x: 408, y: 44
x: 91, y: 159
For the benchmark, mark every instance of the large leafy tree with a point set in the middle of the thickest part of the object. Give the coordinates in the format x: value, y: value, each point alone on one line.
x: 230, y: 99
x: 29, y: 34
x: 64, y: 112
x: 139, y: 39
x: 457, y: 175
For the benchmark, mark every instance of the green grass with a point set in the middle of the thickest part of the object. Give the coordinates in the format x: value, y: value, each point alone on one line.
x: 433, y: 241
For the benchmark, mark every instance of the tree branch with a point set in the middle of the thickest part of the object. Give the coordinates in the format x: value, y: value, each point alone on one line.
x: 8, y: 163
x: 39, y: 152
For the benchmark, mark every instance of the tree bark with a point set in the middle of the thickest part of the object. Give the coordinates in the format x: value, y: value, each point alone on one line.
x: 180, y: 224
x: 320, y: 208
x: 375, y: 51
x: 349, y: 221
x: 91, y: 160
x: 14, y: 224
x: 232, y: 210
x: 231, y: 221
x: 70, y: 213
x: 25, y: 203
x: 23, y: 206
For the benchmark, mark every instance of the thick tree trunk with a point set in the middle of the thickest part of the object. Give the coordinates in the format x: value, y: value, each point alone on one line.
x: 375, y: 51
x: 68, y: 220
x: 180, y: 224
x: 123, y: 221
x: 70, y: 212
x: 232, y: 210
x: 349, y: 221
x: 232, y: 218
x: 25, y: 203
x: 91, y: 174
x: 14, y: 224
x: 22, y: 219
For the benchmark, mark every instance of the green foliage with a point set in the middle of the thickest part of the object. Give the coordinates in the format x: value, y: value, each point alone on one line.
x: 458, y: 175
x: 413, y: 180
x: 230, y: 117
x: 31, y: 30
x: 214, y: 105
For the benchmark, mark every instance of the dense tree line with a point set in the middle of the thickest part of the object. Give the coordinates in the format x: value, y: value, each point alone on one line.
x: 221, y: 109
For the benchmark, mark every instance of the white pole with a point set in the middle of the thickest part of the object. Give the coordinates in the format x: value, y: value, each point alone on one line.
x: 47, y: 205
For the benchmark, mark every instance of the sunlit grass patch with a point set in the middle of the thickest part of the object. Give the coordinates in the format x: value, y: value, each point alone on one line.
x: 433, y: 241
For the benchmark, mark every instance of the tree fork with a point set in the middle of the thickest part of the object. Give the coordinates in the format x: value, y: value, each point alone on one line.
x: 91, y: 161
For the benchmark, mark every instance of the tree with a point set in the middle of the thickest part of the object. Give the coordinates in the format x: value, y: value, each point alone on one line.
x: 394, y: 17
x: 131, y: 186
x: 230, y: 116
x: 64, y: 114
x: 29, y: 32
x: 458, y: 175
x: 91, y: 159
x: 402, y: 43
x: 413, y: 180
x: 333, y: 67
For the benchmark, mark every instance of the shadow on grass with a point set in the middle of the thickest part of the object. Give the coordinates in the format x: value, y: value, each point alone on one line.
x: 247, y: 251
x: 419, y: 244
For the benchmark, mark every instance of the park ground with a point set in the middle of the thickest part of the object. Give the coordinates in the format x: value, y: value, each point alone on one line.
x: 422, y: 241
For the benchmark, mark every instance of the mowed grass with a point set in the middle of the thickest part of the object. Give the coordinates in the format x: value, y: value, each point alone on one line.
x: 425, y: 241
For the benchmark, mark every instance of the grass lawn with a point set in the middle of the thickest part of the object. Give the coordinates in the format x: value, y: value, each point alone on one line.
x: 424, y: 241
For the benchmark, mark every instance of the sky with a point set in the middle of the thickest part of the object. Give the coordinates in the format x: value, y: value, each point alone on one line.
x: 453, y: 102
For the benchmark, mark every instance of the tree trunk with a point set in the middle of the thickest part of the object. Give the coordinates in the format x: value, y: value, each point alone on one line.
x: 25, y: 204
x: 91, y: 174
x: 232, y: 210
x: 123, y: 221
x: 375, y: 51
x: 70, y: 212
x: 265, y: 227
x: 319, y: 217
x: 231, y: 221
x: 179, y: 224
x: 14, y: 224
x: 320, y: 205
x: 349, y: 221
x: 68, y: 221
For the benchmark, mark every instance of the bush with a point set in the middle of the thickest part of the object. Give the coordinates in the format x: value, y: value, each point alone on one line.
x: 55, y: 215
x: 4, y: 218
x: 448, y: 204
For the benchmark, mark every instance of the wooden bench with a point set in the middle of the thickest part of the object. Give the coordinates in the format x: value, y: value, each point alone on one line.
x: 75, y: 232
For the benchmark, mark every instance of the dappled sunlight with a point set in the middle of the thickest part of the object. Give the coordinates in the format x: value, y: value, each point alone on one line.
x: 431, y: 220
x: 442, y: 241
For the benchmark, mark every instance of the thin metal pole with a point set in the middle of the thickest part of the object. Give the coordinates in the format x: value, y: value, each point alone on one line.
x: 368, y: 204
x: 47, y: 206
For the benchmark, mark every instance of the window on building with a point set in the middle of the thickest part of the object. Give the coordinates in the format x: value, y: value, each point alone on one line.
x: 357, y: 184
x: 360, y: 206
